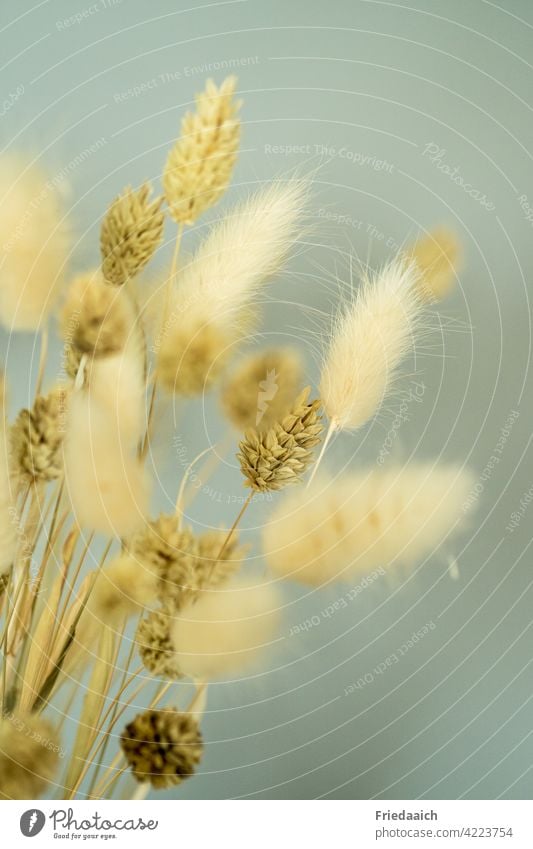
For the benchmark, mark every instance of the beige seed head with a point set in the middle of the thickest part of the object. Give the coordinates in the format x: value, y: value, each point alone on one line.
x: 96, y: 319
x: 155, y: 645
x: 260, y: 391
x: 438, y: 256
x: 168, y: 551
x: 210, y: 571
x: 162, y: 746
x: 183, y: 562
x: 278, y: 457
x: 199, y: 166
x: 121, y: 589
x: 29, y: 756
x: 132, y: 230
x: 36, y: 438
x: 191, y: 360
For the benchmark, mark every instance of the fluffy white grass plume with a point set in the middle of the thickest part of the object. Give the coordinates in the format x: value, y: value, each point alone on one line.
x: 216, y: 290
x: 34, y: 244
x: 121, y: 590
x: 226, y: 631
x: 339, y: 529
x: 108, y: 486
x: 8, y: 527
x: 369, y: 339
x: 116, y: 384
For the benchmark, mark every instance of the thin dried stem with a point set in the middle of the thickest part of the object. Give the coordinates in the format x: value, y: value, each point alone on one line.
x: 42, y: 358
x: 188, y: 470
x: 232, y: 530
x: 331, y: 430
x: 208, y: 468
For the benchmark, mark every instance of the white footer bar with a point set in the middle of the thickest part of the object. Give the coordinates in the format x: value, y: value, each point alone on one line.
x: 268, y: 824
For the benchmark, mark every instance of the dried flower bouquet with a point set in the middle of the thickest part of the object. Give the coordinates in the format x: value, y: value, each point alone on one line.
x: 73, y: 466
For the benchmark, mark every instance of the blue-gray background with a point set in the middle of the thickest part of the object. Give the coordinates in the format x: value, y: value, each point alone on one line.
x: 375, y: 83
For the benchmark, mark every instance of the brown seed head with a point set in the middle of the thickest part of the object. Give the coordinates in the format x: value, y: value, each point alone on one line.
x: 162, y: 746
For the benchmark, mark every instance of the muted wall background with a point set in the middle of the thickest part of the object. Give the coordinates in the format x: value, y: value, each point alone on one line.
x: 392, y: 105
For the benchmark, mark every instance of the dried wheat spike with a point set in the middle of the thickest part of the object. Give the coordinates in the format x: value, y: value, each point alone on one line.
x: 184, y: 563
x: 156, y: 649
x: 200, y: 164
x: 163, y: 548
x: 132, y: 230
x: 36, y: 438
x: 96, y: 318
x: 272, y: 460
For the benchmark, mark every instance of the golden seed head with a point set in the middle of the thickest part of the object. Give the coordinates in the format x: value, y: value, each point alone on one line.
x: 29, y: 756
x: 169, y: 552
x: 199, y: 166
x: 121, y: 589
x: 437, y: 256
x: 36, y: 438
x: 278, y: 457
x: 162, y: 746
x: 183, y: 562
x: 96, y: 319
x: 192, y: 359
x: 210, y: 571
x: 155, y: 645
x: 132, y: 230
x: 260, y: 391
